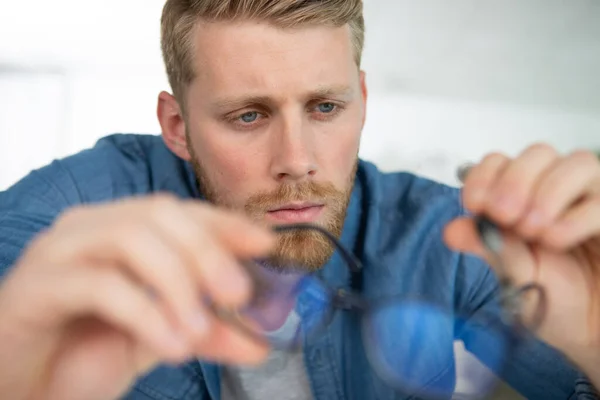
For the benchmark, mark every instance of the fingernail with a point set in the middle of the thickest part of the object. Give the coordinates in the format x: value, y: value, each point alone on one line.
x: 475, y: 198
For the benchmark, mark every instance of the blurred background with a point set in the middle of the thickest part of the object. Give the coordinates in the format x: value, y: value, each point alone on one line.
x: 449, y: 81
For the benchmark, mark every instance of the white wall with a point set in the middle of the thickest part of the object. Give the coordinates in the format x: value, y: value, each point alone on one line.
x: 449, y: 80
x: 32, y: 121
x: 434, y: 135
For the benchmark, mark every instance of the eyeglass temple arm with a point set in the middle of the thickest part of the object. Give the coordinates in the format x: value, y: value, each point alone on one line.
x: 489, y: 233
x: 353, y: 263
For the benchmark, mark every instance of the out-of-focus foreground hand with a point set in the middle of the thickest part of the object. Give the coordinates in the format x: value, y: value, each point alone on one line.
x: 548, y: 206
x: 111, y: 290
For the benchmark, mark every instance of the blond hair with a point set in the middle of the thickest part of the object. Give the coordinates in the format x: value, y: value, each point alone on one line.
x: 180, y: 16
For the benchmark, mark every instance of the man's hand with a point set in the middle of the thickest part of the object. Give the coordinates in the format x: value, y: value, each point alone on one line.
x: 549, y: 207
x: 110, y: 290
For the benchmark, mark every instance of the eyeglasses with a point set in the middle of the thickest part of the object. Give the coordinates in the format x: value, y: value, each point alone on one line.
x: 409, y: 342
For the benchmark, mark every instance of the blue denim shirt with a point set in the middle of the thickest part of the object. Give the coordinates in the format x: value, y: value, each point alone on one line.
x: 394, y: 225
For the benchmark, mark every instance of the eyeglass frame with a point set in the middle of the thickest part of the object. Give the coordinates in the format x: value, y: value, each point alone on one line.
x: 351, y: 300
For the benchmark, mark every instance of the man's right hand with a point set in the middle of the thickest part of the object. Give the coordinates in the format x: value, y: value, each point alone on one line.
x: 109, y: 291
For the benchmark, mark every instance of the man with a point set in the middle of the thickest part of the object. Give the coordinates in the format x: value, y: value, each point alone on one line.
x: 106, y: 254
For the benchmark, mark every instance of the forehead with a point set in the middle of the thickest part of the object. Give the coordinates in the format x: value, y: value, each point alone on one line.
x: 249, y: 56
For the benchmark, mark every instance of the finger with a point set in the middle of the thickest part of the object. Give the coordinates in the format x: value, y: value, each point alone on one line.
x: 212, y: 266
x: 244, y: 237
x: 460, y: 235
x: 576, y: 226
x: 182, y: 224
x: 108, y: 294
x: 228, y: 344
x: 515, y: 262
x: 568, y: 181
x: 240, y: 235
x: 145, y: 255
x: 479, y: 179
x: 511, y: 193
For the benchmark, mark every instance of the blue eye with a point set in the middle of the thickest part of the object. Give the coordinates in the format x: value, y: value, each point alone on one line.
x: 326, y: 107
x: 249, y: 117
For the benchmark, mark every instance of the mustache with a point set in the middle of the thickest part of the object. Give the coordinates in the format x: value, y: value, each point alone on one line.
x: 285, y: 193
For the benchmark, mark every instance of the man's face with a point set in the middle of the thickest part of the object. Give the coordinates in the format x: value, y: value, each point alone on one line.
x: 274, y: 124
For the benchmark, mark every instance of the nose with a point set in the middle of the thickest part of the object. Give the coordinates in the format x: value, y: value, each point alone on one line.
x: 293, y: 151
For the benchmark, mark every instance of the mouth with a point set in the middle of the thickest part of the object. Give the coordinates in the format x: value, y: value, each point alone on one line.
x: 296, y: 213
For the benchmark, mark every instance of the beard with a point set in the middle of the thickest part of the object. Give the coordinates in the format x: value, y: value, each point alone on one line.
x: 304, y: 250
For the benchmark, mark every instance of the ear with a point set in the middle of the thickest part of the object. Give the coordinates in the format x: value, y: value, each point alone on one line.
x: 172, y: 124
x: 364, y: 93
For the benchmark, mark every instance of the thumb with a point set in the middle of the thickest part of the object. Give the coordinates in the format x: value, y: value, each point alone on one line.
x: 461, y: 235
x: 516, y: 260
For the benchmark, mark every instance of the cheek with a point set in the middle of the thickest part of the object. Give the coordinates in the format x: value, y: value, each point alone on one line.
x: 233, y: 170
x: 338, y: 154
x: 229, y: 168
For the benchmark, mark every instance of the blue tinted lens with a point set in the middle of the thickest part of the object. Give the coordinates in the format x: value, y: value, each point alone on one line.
x: 314, y: 304
x: 491, y: 345
x: 411, y: 345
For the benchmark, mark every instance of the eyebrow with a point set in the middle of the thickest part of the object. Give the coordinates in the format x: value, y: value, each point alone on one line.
x: 319, y: 92
x: 335, y: 90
